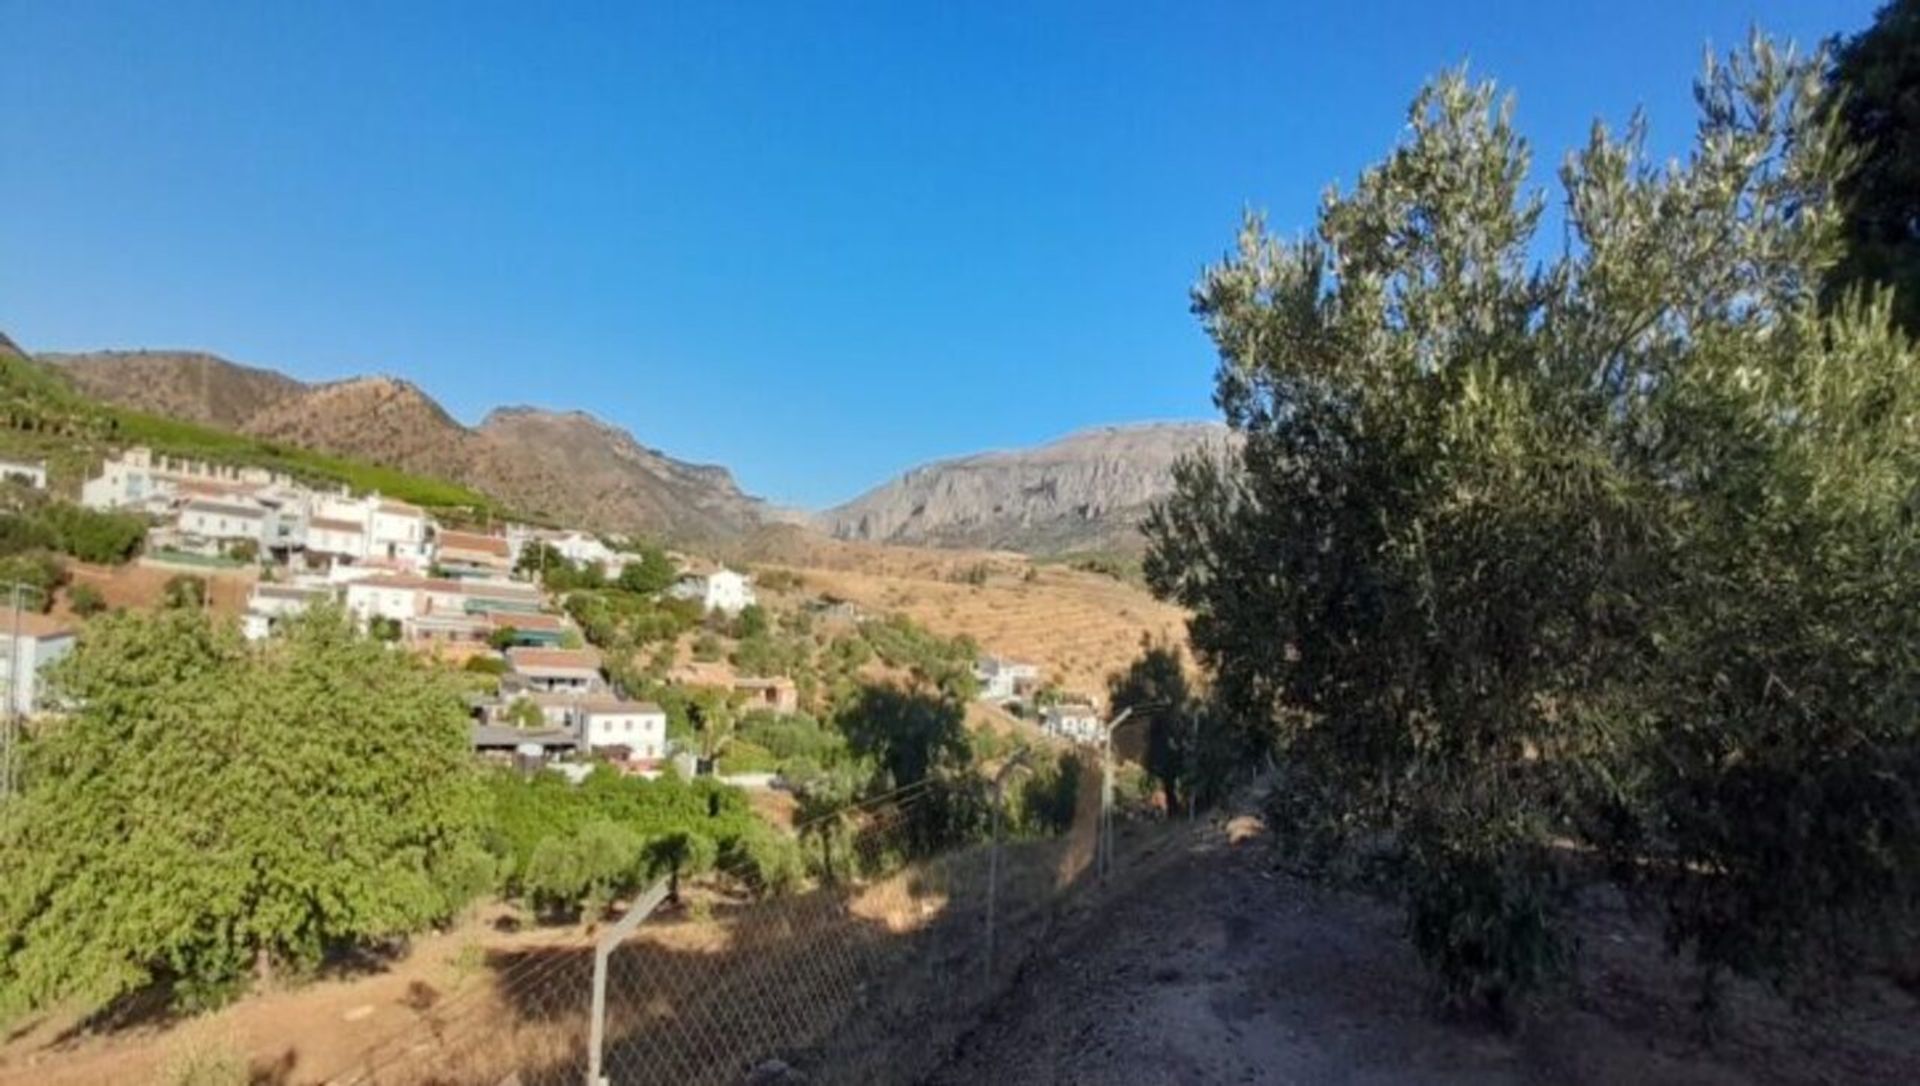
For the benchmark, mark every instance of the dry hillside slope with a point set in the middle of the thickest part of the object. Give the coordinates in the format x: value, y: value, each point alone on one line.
x: 1086, y: 491
x: 190, y: 385
x: 563, y: 466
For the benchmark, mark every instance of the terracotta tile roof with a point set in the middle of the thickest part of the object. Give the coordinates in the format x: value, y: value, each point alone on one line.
x: 502, y: 620
x: 475, y: 542
x: 524, y: 659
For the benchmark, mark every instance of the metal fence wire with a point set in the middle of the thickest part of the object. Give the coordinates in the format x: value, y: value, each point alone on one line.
x: 866, y: 971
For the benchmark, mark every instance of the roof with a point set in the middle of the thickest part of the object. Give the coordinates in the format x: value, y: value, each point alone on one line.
x: 475, y: 542
x: 616, y: 705
x: 536, y: 659
x: 331, y: 524
x: 1073, y: 708
x: 288, y: 591
x: 762, y: 684
x: 521, y: 620
x: 399, y: 509
x: 501, y: 735
x: 224, y: 509
x: 34, y: 624
x: 448, y: 586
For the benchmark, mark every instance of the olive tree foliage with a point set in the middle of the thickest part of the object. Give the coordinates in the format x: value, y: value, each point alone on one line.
x: 1609, y: 554
x: 210, y: 811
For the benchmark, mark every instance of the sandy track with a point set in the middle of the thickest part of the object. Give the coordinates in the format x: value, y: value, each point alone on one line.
x: 1216, y: 968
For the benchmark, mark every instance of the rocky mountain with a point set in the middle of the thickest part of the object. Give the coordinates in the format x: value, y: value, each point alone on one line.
x: 1086, y: 491
x: 565, y: 466
x: 188, y: 385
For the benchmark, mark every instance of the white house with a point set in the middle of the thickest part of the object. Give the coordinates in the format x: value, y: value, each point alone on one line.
x: 397, y: 530
x: 268, y: 603
x: 472, y: 553
x: 1074, y: 721
x: 139, y: 478
x: 42, y: 640
x: 32, y: 473
x: 395, y: 597
x: 639, y: 726
x: 336, y: 538
x: 1003, y: 680
x: 225, y: 521
x: 722, y: 590
x: 556, y: 671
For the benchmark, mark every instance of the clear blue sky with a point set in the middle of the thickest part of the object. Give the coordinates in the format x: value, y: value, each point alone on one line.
x: 816, y: 243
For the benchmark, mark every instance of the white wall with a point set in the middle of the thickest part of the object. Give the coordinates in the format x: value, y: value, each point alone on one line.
x: 369, y: 598
x: 34, y: 654
x: 644, y: 733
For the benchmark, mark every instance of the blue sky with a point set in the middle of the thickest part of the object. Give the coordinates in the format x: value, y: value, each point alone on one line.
x: 815, y: 243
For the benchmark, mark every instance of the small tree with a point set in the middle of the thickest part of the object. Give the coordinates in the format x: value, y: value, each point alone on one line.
x: 184, y: 592
x: 648, y: 573
x: 85, y: 600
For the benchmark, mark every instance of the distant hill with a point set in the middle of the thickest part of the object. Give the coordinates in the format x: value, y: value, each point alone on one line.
x: 1086, y: 491
x: 189, y: 385
x: 564, y: 466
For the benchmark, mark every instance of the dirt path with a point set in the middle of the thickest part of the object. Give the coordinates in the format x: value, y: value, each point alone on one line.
x: 1217, y: 969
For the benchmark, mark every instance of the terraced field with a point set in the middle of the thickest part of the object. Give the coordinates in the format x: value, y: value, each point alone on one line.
x: 1079, y: 627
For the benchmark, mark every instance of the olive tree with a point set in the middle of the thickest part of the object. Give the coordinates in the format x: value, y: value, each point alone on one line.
x: 1608, y: 553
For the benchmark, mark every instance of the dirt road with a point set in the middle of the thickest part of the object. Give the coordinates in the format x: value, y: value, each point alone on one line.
x: 1218, y: 969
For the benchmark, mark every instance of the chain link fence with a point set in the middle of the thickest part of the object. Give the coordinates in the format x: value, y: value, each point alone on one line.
x: 916, y: 909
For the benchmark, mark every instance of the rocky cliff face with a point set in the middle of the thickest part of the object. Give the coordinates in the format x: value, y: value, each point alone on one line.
x: 1085, y: 491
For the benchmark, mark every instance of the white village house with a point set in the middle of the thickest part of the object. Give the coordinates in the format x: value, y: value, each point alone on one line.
x: 30, y: 473
x: 1077, y: 722
x: 639, y: 726
x: 42, y: 640
x: 1004, y: 680
x: 723, y: 590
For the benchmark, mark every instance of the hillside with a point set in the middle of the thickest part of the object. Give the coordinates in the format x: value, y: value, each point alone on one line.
x: 562, y: 466
x: 1086, y: 491
x: 189, y: 385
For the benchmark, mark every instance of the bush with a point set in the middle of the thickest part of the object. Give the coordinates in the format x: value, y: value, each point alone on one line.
x: 39, y: 571
x: 184, y: 592
x: 85, y: 600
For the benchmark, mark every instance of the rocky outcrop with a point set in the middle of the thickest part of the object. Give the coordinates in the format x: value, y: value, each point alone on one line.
x: 1085, y: 491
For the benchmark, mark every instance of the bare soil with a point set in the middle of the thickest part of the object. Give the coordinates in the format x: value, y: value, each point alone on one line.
x: 1216, y: 967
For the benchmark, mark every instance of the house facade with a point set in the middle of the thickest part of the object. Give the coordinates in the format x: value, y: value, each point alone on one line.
x: 724, y: 590
x: 556, y: 671
x: 639, y: 726
x: 472, y: 554
x: 24, y: 658
x: 29, y: 473
x: 225, y: 521
x: 1004, y: 680
x: 1075, y: 722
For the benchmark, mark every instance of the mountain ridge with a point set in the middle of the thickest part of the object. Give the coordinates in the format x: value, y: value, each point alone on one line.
x: 1086, y: 490
x: 567, y: 466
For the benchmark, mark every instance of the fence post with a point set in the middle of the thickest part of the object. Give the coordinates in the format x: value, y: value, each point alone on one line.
x: 643, y: 907
x: 1016, y: 762
x: 993, y: 870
